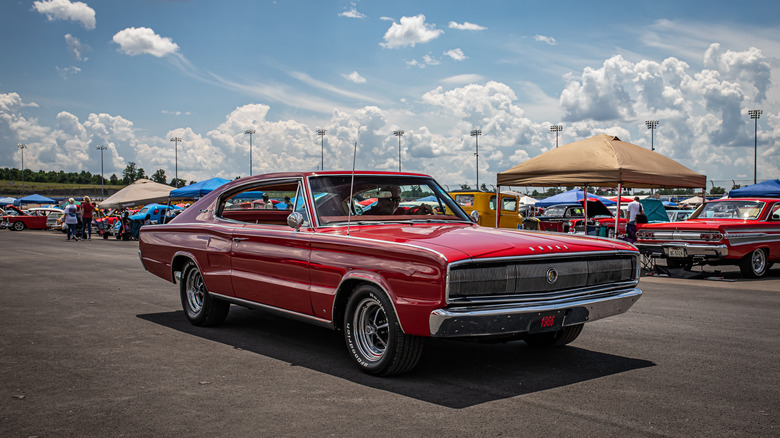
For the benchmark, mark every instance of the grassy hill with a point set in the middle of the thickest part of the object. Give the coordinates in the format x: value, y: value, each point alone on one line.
x: 14, y: 189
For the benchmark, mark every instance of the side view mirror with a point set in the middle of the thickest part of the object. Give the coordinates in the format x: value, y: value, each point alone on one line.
x: 295, y: 220
x: 474, y: 216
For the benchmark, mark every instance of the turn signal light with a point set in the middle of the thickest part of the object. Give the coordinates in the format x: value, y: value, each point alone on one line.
x: 711, y: 236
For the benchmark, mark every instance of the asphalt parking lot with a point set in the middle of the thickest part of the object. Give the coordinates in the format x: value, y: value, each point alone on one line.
x: 92, y: 345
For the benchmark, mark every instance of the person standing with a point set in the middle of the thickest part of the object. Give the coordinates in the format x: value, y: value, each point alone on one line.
x: 71, y: 219
x: 634, y: 210
x: 87, y: 208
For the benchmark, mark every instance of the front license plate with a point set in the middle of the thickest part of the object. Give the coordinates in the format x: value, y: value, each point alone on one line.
x: 676, y: 252
x: 547, y: 322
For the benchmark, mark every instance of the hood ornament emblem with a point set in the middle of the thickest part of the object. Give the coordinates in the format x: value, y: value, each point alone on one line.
x: 552, y: 275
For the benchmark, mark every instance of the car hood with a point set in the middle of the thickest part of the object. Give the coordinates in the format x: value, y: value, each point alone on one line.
x: 457, y: 242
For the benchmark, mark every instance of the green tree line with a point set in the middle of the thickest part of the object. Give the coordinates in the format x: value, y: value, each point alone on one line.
x: 130, y: 174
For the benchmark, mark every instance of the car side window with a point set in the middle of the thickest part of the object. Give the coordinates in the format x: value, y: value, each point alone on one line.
x: 268, y: 204
x: 775, y: 215
x: 509, y: 204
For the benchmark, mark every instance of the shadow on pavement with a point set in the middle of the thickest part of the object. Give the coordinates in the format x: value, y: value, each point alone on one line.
x: 451, y: 373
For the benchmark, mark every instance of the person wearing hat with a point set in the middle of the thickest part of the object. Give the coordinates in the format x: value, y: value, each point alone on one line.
x: 71, y: 219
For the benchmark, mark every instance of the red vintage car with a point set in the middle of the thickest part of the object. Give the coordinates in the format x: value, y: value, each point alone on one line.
x: 743, y: 232
x: 389, y: 276
x: 17, y: 220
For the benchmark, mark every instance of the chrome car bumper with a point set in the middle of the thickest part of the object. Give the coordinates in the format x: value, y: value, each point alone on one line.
x: 522, y: 318
x: 683, y: 250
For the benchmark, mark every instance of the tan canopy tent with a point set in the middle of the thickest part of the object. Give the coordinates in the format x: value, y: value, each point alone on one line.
x: 603, y: 160
x: 142, y: 191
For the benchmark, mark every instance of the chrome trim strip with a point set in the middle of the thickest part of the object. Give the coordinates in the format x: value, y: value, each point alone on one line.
x: 542, y: 296
x: 283, y: 312
x: 515, y: 319
x: 588, y: 254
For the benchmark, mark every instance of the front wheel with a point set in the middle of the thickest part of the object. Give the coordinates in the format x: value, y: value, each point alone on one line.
x: 754, y: 265
x: 557, y: 338
x: 374, y: 337
x: 199, y: 306
x: 18, y: 226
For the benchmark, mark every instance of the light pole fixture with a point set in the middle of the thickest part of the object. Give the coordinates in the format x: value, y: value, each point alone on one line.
x: 176, y: 141
x: 321, y: 133
x: 398, y: 133
x: 476, y: 133
x: 250, y: 132
x: 101, y: 148
x: 755, y: 115
x: 652, y: 125
x: 22, y: 147
x: 556, y: 129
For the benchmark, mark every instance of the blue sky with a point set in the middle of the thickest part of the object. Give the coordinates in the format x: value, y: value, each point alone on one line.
x: 133, y: 74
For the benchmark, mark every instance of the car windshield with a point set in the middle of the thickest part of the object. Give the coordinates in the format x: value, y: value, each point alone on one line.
x: 382, y: 198
x: 732, y: 209
x: 555, y: 211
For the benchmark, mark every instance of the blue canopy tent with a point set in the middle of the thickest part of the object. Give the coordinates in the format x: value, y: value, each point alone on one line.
x: 764, y: 189
x: 569, y: 197
x: 34, y: 199
x: 198, y: 189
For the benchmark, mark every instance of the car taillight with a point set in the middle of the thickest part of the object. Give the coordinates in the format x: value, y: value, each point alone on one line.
x: 643, y: 234
x: 711, y: 236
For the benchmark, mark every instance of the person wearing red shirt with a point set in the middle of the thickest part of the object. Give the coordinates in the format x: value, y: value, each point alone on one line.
x: 87, y: 207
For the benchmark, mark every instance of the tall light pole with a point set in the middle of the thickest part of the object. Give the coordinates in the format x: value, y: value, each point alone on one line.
x: 476, y: 133
x: 176, y: 141
x: 321, y: 133
x: 755, y: 114
x: 398, y: 133
x: 652, y: 125
x: 22, y: 147
x: 556, y: 129
x: 101, y: 148
x: 250, y: 132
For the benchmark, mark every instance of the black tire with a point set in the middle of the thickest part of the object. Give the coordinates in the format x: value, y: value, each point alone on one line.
x: 199, y: 306
x: 558, y: 338
x: 755, y: 264
x: 374, y: 337
x: 18, y: 226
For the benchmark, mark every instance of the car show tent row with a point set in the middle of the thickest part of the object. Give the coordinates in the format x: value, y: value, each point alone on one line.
x: 602, y: 160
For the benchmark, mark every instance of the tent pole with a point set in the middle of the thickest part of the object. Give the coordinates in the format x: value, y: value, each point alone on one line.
x: 498, y: 205
x: 617, y: 213
x: 586, y: 209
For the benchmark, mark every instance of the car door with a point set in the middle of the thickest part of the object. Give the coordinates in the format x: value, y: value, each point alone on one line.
x: 270, y: 260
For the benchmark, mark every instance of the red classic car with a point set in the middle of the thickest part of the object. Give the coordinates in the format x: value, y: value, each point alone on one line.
x: 743, y: 232
x: 17, y: 220
x: 389, y: 276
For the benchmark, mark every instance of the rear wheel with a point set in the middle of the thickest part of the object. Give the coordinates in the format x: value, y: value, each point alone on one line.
x: 557, y: 338
x: 18, y: 226
x: 755, y: 264
x: 374, y: 337
x: 199, y: 306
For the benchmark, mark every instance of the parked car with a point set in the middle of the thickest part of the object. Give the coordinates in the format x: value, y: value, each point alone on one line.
x: 17, y: 220
x: 388, y: 276
x: 568, y: 218
x: 742, y: 232
x: 52, y: 215
x: 154, y: 213
x: 484, y: 203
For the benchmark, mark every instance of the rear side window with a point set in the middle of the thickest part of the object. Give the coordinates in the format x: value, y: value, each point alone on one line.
x: 266, y: 204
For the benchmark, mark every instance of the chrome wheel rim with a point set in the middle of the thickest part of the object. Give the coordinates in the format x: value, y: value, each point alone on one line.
x: 18, y: 226
x: 371, y: 329
x: 758, y: 260
x: 195, y: 291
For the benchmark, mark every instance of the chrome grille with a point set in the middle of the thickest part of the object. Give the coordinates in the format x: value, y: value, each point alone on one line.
x: 530, y: 277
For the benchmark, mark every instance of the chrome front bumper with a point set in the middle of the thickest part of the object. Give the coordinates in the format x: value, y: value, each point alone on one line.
x: 689, y: 250
x: 513, y: 319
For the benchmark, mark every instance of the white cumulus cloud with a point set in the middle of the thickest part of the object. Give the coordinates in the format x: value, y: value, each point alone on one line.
x: 65, y: 10
x: 410, y: 31
x: 546, y: 39
x: 466, y: 26
x: 355, y: 77
x: 456, y: 54
x: 76, y: 47
x: 143, y: 41
x: 352, y: 13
